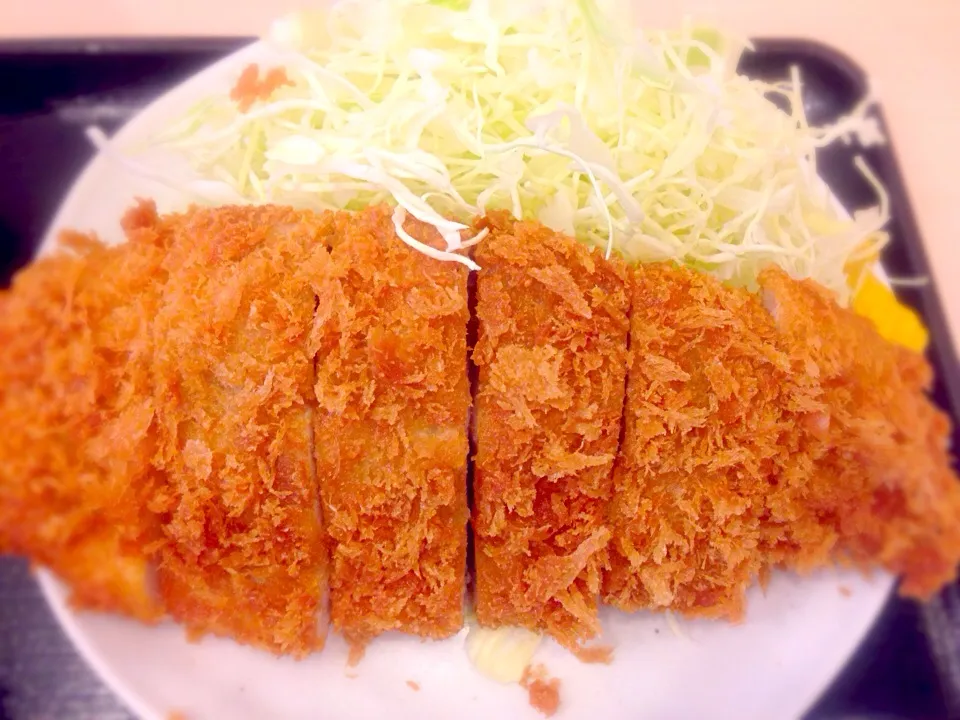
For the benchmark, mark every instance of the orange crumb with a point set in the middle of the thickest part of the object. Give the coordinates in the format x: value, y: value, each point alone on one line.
x: 245, y: 92
x: 250, y: 88
x: 357, y: 651
x: 845, y: 591
x: 598, y: 654
x: 176, y: 715
x: 542, y: 690
x: 415, y: 686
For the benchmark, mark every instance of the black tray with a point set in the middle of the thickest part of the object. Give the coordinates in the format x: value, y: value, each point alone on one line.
x: 53, y: 89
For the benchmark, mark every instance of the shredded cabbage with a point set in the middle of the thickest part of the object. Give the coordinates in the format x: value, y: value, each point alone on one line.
x: 648, y: 144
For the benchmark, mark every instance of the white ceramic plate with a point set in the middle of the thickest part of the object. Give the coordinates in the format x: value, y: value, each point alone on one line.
x: 795, y: 639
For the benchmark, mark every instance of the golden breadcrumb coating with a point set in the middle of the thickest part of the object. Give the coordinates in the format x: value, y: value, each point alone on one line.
x: 711, y: 424
x: 777, y: 433
x: 78, y: 418
x: 245, y: 554
x: 883, y: 480
x: 391, y: 445
x: 551, y: 353
x: 252, y: 404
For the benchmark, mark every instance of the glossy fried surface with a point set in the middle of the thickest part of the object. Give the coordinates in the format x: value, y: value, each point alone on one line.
x: 882, y: 480
x: 551, y: 353
x: 711, y: 428
x: 244, y: 554
x: 78, y: 418
x: 391, y: 446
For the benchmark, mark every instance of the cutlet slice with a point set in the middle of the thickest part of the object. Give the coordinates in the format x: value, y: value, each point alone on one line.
x: 715, y: 423
x: 244, y: 554
x: 391, y: 445
x: 882, y: 479
x: 551, y: 354
x: 77, y: 416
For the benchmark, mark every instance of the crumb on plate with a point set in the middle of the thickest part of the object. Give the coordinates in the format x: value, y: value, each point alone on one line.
x: 357, y: 651
x: 542, y: 690
x: 597, y: 654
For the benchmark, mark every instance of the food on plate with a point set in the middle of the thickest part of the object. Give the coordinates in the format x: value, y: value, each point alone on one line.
x: 250, y: 88
x: 501, y: 653
x: 262, y: 403
x: 711, y: 426
x: 392, y: 398
x: 254, y: 417
x: 244, y: 552
x: 782, y: 432
x: 551, y: 356
x: 543, y: 691
x: 76, y: 349
x: 882, y: 479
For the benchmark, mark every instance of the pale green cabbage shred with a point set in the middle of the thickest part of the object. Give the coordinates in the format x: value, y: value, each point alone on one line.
x: 647, y: 144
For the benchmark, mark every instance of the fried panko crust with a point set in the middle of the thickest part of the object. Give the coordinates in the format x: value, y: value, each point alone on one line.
x: 244, y: 554
x: 777, y: 433
x: 882, y: 480
x: 391, y: 445
x: 710, y: 429
x: 552, y: 355
x: 190, y: 398
x: 78, y: 418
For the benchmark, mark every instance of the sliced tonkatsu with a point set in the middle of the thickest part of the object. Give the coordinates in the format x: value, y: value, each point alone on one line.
x: 770, y: 431
x: 244, y: 552
x: 255, y: 419
x: 391, y: 446
x: 77, y: 411
x: 882, y: 480
x: 710, y: 427
x: 551, y: 354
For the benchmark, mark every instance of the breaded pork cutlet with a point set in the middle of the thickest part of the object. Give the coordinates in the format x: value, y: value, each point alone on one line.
x: 244, y: 554
x: 777, y: 433
x: 391, y: 445
x: 551, y: 353
x: 710, y: 429
x: 78, y: 418
x: 882, y: 480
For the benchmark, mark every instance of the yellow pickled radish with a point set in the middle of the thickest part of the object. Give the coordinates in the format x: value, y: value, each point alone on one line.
x: 895, y: 321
